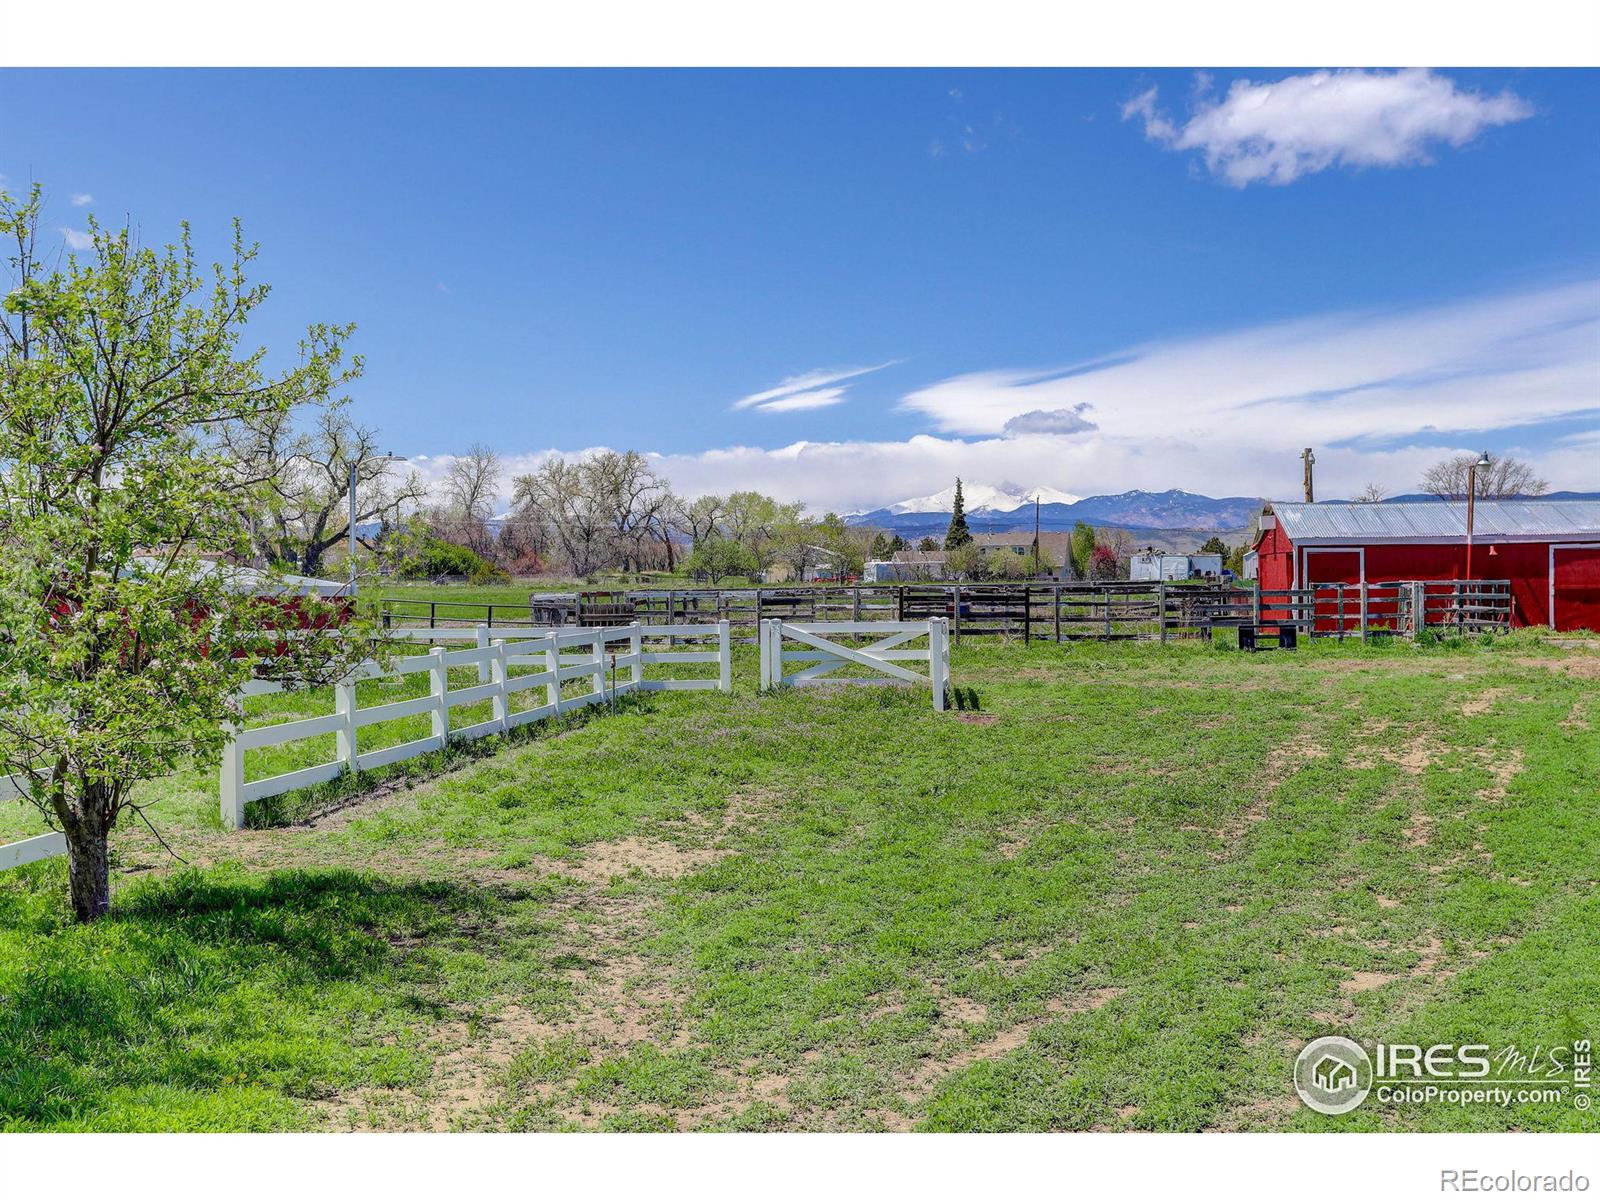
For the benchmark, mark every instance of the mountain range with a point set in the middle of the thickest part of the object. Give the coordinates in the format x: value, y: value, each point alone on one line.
x: 1003, y: 509
x: 996, y: 510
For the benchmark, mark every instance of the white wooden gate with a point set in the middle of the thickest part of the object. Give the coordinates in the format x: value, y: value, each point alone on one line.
x: 883, y: 656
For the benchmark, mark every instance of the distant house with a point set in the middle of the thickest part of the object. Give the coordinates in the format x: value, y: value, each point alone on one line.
x: 907, y: 566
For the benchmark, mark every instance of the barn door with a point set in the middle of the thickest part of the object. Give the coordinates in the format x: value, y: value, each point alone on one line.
x: 1575, y: 587
x: 1334, y: 609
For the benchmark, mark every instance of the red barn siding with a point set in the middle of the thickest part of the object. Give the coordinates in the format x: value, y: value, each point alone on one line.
x: 1282, y: 565
x: 1577, y: 587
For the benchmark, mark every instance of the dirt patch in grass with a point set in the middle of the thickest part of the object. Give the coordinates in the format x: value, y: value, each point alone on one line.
x: 1415, y: 757
x: 1364, y: 981
x: 1301, y: 748
x: 969, y: 718
x: 1575, y: 721
x: 1419, y: 830
x: 603, y: 861
x: 1482, y: 702
x: 1582, y: 665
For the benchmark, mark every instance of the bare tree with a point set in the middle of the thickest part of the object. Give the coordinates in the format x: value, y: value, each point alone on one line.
x: 700, y: 518
x: 639, y: 500
x: 472, y: 481
x: 1502, y: 477
x: 308, y: 477
x: 469, y: 488
x: 560, y: 498
x: 1373, y: 493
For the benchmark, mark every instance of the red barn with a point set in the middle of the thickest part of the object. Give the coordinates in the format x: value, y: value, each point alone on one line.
x: 1548, y: 549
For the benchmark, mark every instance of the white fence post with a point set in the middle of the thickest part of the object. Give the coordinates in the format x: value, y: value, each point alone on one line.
x: 439, y: 684
x: 724, y: 657
x: 552, y: 664
x: 483, y: 644
x: 598, y: 677
x: 500, y: 702
x: 938, y: 660
x: 231, y: 784
x: 344, y: 738
x: 764, y: 639
x: 636, y: 649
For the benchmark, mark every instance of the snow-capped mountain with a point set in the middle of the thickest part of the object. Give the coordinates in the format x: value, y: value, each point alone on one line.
x: 998, y: 509
x: 980, y: 497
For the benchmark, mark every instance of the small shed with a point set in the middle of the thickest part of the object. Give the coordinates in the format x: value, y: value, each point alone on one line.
x: 1148, y: 566
x: 1548, y: 549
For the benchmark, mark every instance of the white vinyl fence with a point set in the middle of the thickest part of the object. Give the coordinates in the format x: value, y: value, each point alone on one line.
x: 606, y: 662
x: 883, y: 656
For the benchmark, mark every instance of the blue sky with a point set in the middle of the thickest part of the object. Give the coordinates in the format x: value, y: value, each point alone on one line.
x: 1058, y: 277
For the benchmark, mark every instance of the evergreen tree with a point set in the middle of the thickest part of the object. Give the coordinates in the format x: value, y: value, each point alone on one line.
x: 958, y: 534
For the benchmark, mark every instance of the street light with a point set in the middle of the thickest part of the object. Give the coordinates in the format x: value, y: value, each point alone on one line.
x: 355, y: 467
x: 1472, y: 496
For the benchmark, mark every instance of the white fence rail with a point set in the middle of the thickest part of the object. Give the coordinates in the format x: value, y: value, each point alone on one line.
x: 591, y: 657
x: 46, y: 845
x: 883, y: 656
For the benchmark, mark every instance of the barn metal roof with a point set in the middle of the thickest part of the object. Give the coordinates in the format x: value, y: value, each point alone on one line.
x: 1437, y: 520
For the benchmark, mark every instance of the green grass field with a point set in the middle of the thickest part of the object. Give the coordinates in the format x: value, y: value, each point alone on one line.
x: 1120, y: 896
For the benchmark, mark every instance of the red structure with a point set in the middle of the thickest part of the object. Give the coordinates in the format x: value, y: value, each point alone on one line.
x: 1548, y: 549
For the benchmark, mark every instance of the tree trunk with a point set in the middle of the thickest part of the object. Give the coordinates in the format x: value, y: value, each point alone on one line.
x: 89, y: 863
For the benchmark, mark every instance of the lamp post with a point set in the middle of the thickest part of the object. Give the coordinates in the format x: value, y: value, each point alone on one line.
x: 355, y: 469
x: 1472, y: 496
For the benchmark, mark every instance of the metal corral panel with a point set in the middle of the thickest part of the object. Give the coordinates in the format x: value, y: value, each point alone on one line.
x: 1522, y: 520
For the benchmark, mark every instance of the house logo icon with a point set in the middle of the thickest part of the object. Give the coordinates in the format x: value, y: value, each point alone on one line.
x: 1333, y: 1075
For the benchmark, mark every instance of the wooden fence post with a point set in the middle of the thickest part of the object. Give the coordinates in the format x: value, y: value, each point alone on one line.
x: 1161, y: 609
x: 1255, y: 605
x: 724, y: 656
x: 439, y: 687
x: 955, y: 612
x: 231, y: 783
x: 500, y: 702
x: 938, y: 662
x: 1363, y: 610
x: 1055, y: 611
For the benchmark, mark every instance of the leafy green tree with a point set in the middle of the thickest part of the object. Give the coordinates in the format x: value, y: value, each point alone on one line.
x: 1214, y: 545
x: 717, y: 558
x: 958, y: 534
x: 1081, y: 548
x: 124, y: 648
x: 966, y: 562
x: 927, y: 545
x: 759, y: 523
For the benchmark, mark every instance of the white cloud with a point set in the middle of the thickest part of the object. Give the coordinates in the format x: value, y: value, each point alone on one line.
x: 1380, y: 395
x: 1056, y: 420
x: 79, y: 199
x: 798, y: 401
x: 77, y: 239
x: 1277, y: 132
x: 1385, y: 376
x: 808, y: 390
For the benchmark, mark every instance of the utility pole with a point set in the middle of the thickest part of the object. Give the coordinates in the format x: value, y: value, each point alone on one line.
x: 1036, y: 535
x: 1472, y: 498
x: 1310, y: 460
